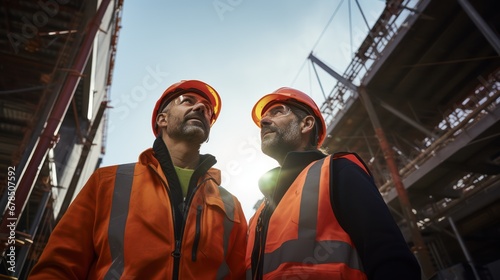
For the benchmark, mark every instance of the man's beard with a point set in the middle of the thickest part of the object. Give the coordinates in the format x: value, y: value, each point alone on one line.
x: 189, y: 130
x: 280, y: 141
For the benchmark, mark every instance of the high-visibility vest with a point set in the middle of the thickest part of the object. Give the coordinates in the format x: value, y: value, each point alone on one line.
x: 304, y: 239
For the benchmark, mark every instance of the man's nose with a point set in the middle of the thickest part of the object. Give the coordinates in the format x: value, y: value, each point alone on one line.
x: 265, y: 121
x: 200, y: 106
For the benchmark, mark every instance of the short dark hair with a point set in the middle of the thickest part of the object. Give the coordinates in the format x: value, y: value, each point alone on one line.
x: 301, y: 112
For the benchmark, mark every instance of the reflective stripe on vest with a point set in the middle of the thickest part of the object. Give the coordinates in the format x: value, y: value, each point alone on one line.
x: 118, y: 218
x: 227, y: 198
x: 305, y: 249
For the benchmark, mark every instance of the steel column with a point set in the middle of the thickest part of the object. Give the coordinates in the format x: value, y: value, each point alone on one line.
x: 419, y: 243
x: 464, y: 248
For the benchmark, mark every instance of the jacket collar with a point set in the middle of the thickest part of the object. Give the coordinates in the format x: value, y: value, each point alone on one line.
x: 274, y: 183
x: 151, y: 157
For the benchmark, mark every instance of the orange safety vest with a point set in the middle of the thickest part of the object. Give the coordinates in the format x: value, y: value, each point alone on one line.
x: 304, y: 239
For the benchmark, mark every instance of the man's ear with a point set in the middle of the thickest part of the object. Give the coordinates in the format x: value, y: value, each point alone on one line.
x: 308, y: 124
x: 161, y: 120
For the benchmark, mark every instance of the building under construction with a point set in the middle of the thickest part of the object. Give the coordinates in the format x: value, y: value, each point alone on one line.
x: 56, y: 60
x: 419, y: 102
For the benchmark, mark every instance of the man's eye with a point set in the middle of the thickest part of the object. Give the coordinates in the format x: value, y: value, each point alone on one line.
x: 187, y: 100
x: 277, y: 111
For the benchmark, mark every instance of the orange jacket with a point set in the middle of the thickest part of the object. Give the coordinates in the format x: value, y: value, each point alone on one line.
x: 116, y: 228
x: 304, y: 239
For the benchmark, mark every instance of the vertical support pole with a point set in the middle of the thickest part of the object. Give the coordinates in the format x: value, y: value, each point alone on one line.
x: 464, y: 248
x: 420, y: 247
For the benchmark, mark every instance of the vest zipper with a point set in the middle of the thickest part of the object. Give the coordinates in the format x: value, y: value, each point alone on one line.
x: 197, y: 232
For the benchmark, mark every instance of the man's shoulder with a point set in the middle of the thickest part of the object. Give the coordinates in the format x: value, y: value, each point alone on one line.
x: 347, y: 159
x: 112, y: 170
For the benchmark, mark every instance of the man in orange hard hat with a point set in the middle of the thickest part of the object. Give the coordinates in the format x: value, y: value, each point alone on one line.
x: 322, y: 216
x: 164, y: 217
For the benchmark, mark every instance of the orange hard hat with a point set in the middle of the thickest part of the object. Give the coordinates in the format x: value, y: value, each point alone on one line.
x: 194, y: 86
x: 286, y: 94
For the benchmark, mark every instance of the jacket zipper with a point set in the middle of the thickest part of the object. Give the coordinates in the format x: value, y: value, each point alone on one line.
x: 178, y: 239
x: 197, y: 232
x: 176, y: 254
x: 185, y: 214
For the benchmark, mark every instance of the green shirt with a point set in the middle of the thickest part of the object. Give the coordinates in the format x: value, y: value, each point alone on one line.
x: 184, y: 177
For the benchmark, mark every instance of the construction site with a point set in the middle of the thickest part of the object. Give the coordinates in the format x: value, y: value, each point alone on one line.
x: 419, y: 102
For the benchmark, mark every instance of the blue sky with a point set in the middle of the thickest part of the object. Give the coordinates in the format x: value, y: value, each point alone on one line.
x: 244, y: 49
